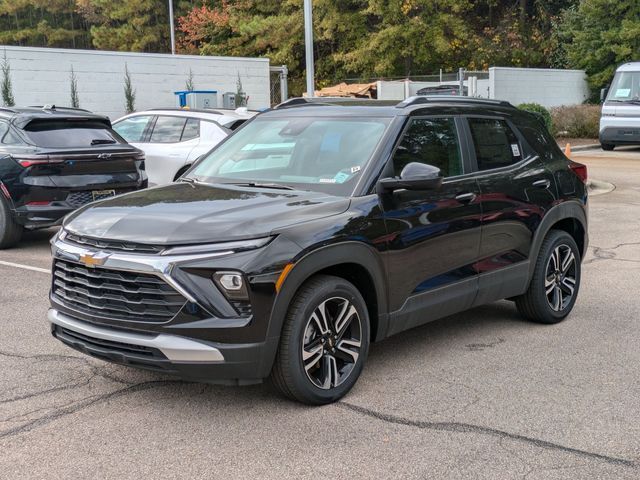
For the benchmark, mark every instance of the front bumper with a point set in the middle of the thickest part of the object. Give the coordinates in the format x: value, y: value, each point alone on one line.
x: 188, y: 358
x: 620, y: 135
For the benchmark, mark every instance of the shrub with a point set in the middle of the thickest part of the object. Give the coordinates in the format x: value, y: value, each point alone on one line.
x: 538, y: 110
x: 129, y: 92
x: 5, y: 83
x: 576, y: 121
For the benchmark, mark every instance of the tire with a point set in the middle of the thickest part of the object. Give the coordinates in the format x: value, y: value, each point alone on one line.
x: 550, y: 297
x: 332, y: 366
x: 181, y: 172
x: 607, y: 147
x: 10, y: 231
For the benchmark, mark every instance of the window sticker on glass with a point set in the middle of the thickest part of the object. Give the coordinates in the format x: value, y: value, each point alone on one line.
x: 515, y: 149
x: 327, y: 180
x: 341, y: 177
x: 355, y: 169
x: 623, y: 92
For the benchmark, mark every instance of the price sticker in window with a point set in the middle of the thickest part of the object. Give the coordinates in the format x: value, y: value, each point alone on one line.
x: 515, y: 149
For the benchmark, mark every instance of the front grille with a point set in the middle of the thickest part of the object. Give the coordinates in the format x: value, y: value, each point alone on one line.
x: 78, y: 199
x: 114, y: 293
x: 112, y: 245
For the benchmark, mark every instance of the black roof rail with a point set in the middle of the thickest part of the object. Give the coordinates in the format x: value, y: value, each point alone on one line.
x: 347, y: 101
x: 55, y: 107
x: 426, y: 99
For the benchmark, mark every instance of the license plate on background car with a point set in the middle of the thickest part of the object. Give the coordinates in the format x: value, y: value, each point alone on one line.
x: 100, y: 194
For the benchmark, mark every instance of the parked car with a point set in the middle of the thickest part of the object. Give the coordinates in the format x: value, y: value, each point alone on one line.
x: 54, y: 160
x: 317, y: 229
x: 446, y: 90
x: 620, y: 117
x: 173, y: 139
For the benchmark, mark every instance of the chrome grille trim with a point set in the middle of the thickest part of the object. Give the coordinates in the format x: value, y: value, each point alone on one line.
x: 114, y: 294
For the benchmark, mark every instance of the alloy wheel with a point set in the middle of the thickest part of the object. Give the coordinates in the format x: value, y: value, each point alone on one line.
x: 560, y: 278
x: 331, y: 343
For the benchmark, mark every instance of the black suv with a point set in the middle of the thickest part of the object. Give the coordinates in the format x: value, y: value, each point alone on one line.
x: 317, y: 229
x: 54, y: 160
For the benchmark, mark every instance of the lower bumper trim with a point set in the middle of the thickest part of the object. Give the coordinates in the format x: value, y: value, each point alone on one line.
x: 175, y: 348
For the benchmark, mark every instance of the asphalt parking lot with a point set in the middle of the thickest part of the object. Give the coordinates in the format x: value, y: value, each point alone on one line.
x: 478, y: 395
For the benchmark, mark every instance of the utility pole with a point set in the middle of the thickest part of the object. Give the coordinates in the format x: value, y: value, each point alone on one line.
x: 308, y: 45
x: 173, y: 36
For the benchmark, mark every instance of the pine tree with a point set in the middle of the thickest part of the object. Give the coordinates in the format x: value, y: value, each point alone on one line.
x: 75, y: 100
x: 189, y: 85
x: 129, y: 92
x: 5, y: 83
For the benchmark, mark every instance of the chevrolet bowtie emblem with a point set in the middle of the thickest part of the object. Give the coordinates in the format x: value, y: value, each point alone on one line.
x: 94, y: 259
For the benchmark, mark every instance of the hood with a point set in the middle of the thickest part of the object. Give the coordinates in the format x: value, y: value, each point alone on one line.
x: 182, y: 213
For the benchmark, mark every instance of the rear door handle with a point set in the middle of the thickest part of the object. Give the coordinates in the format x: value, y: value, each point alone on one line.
x: 541, y: 183
x: 465, y: 197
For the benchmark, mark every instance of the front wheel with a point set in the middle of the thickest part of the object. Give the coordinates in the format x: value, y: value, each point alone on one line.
x: 555, y: 283
x: 607, y: 146
x: 324, y: 341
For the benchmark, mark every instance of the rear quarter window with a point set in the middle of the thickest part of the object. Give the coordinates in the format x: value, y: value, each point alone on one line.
x: 70, y: 134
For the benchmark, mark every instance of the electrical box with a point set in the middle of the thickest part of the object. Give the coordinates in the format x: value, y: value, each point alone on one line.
x: 197, y: 99
x: 229, y: 100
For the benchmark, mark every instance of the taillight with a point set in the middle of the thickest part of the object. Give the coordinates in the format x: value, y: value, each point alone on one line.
x: 580, y: 170
x: 38, y: 204
x: 27, y: 161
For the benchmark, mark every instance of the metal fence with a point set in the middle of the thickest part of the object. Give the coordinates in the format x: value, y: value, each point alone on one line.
x: 436, y: 77
x: 279, y: 87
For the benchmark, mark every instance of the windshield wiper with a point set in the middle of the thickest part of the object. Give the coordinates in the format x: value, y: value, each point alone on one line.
x: 102, y: 141
x: 263, y: 185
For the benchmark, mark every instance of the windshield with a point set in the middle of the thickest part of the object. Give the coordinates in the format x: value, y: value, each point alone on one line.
x: 318, y: 154
x: 625, y: 87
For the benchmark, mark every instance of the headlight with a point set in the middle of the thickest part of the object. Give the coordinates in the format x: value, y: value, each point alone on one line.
x: 219, y: 247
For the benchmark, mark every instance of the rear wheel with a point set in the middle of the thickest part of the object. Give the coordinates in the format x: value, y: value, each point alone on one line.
x: 324, y: 342
x: 607, y: 146
x: 556, y: 280
x: 10, y: 231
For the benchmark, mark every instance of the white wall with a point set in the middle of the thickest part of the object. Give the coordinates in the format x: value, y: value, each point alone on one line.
x: 41, y: 76
x: 548, y: 87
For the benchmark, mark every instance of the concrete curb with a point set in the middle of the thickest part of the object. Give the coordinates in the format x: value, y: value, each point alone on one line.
x: 580, y: 148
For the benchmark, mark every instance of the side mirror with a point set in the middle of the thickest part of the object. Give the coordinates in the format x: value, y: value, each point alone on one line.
x: 603, y: 94
x: 414, y: 176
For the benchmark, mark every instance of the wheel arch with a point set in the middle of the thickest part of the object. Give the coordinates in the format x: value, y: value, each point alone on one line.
x: 568, y: 216
x: 181, y: 171
x: 356, y: 262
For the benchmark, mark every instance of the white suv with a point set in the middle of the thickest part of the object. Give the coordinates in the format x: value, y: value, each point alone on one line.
x: 172, y: 139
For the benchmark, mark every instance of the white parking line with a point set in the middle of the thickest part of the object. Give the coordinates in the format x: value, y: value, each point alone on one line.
x: 25, y: 267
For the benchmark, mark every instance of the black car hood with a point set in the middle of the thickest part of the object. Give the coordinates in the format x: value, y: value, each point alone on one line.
x: 183, y: 213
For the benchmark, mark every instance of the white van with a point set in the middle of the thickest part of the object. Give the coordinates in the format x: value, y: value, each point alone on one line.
x: 620, y: 120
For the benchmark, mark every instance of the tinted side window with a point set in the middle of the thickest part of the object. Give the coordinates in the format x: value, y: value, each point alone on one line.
x: 433, y: 141
x: 132, y: 129
x: 168, y: 129
x: 495, y: 143
x: 191, y: 129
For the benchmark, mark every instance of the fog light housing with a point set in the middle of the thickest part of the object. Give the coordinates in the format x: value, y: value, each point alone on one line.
x: 232, y: 285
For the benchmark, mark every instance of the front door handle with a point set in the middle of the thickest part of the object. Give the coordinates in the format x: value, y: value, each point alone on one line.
x: 465, y: 197
x: 541, y: 183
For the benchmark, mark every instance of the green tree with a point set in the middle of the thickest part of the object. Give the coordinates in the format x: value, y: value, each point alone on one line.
x: 73, y: 81
x: 51, y: 23
x: 5, y: 83
x: 129, y: 92
x: 127, y: 25
x: 188, y: 84
x: 600, y: 35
